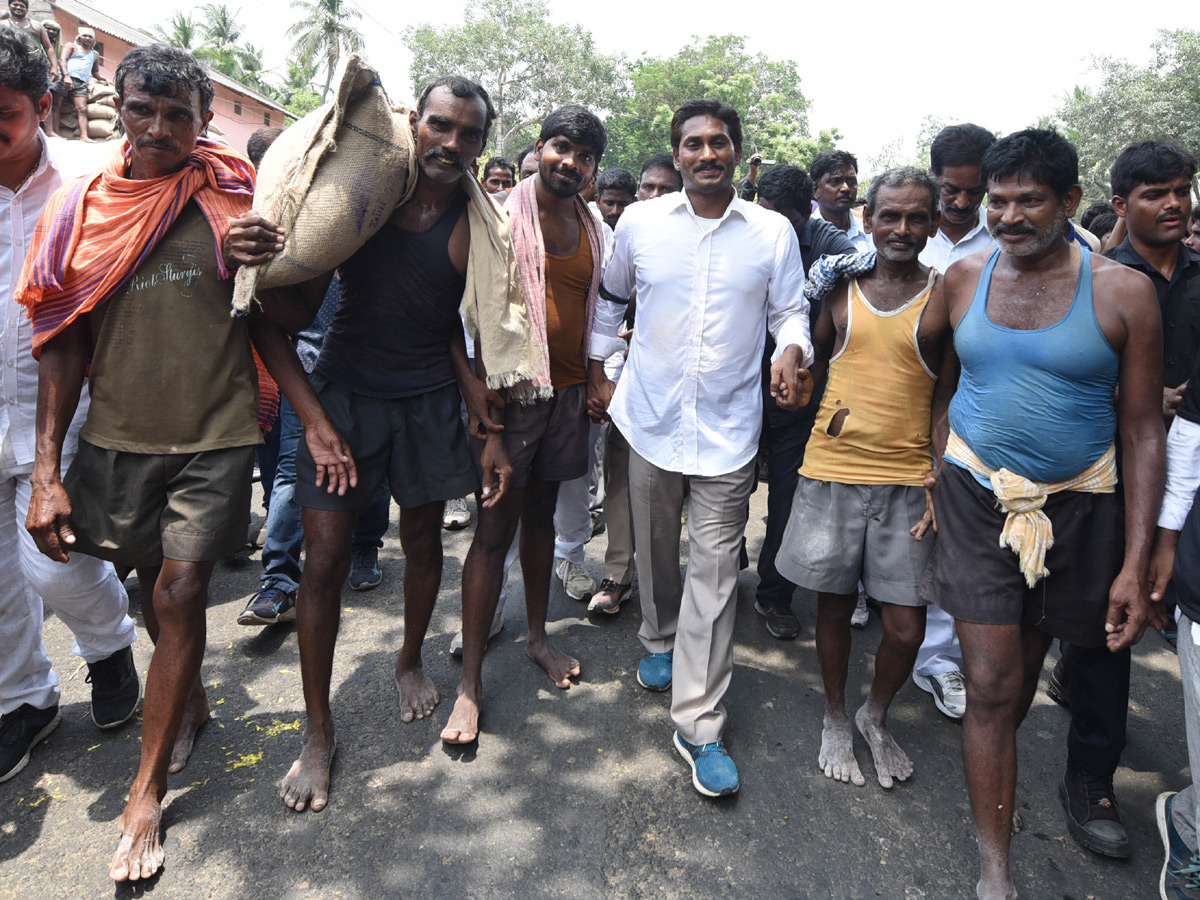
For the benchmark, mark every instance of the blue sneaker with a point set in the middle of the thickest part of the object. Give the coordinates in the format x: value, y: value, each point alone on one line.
x: 713, y: 772
x: 1180, y: 879
x: 654, y: 671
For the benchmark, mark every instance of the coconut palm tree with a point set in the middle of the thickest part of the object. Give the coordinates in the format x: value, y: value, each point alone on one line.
x: 183, y: 33
x: 325, y: 30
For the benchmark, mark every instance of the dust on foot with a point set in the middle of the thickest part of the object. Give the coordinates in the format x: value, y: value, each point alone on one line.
x: 195, y: 715
x: 139, y: 854
x: 891, y: 763
x: 307, y: 782
x: 418, y: 695
x: 463, y: 726
x: 1000, y: 891
x: 560, y: 667
x: 837, y: 751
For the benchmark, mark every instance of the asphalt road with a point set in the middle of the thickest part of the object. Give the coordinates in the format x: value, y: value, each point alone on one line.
x: 576, y: 794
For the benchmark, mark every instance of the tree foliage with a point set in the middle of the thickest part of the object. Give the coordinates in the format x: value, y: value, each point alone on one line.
x: 324, y: 33
x: 765, y: 92
x: 528, y: 64
x: 1160, y: 101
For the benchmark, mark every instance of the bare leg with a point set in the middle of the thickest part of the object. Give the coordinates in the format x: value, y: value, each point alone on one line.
x: 196, y: 711
x: 421, y: 538
x: 81, y: 111
x: 55, y: 113
x: 903, y: 631
x: 482, y: 571
x: 326, y: 563
x: 537, y: 559
x: 1001, y: 663
x: 176, y: 603
x: 836, y: 758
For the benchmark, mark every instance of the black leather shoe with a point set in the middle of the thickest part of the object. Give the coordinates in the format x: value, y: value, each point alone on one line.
x: 781, y: 623
x: 1093, y: 816
x: 1056, y: 687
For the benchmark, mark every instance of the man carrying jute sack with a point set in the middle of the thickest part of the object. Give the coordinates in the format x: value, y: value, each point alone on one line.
x: 390, y: 372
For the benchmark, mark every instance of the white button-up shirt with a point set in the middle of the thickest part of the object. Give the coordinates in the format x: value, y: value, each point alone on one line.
x: 860, y: 239
x: 690, y: 398
x: 940, y: 252
x: 19, y: 214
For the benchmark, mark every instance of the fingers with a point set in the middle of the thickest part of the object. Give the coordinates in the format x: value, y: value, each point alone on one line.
x: 505, y: 475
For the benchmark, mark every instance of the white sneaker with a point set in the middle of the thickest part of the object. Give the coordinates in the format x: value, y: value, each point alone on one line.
x: 861, y: 615
x: 948, y: 689
x: 456, y: 642
x: 578, y: 584
x: 457, y: 514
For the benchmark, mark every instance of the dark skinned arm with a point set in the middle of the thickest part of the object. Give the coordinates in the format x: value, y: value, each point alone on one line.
x: 476, y: 394
x: 494, y: 461
x: 61, y: 371
x: 1143, y: 466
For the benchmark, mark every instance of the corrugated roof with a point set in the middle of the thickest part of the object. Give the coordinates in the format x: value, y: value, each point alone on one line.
x: 105, y: 22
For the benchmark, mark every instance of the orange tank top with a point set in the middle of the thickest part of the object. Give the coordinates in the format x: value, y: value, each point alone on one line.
x: 567, y: 281
x: 880, y: 390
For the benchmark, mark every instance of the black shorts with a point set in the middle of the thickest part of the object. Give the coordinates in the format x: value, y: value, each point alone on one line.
x: 976, y: 580
x: 417, y: 443
x: 546, y: 439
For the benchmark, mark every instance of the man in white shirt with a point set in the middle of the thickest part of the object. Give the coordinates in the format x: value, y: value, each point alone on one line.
x: 709, y: 269
x: 835, y: 189
x: 954, y: 158
x: 85, y: 593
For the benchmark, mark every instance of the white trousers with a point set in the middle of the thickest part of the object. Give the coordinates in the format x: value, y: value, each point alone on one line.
x: 940, y: 651
x: 84, y: 593
x: 573, y: 514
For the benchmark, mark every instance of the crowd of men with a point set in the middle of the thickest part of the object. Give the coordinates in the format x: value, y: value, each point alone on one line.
x: 963, y: 407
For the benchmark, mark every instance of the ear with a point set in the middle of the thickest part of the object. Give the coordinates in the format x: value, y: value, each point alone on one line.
x: 44, y: 105
x: 737, y: 155
x: 1119, y: 205
x: 1071, y: 201
x: 675, y: 158
x: 936, y: 222
x: 412, y: 119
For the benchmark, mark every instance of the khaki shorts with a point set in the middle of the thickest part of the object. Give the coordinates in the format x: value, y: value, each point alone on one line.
x: 135, y: 509
x: 838, y: 534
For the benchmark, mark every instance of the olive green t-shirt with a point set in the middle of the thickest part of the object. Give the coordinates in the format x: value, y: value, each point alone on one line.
x: 172, y: 371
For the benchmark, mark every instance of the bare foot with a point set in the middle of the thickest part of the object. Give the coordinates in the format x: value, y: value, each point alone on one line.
x: 139, y: 854
x: 195, y: 714
x: 307, y: 782
x: 463, y: 726
x: 1000, y: 891
x: 560, y: 667
x: 891, y: 763
x: 418, y: 695
x: 837, y: 751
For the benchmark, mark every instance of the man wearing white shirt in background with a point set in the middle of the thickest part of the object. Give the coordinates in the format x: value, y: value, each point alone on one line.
x: 85, y: 593
x: 709, y: 269
x: 835, y: 182
x: 955, y: 158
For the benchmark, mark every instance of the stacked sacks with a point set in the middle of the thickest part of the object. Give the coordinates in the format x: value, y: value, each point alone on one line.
x: 331, y: 181
x: 102, y: 124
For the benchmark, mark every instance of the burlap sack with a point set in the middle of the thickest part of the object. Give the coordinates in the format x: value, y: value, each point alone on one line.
x: 331, y: 181
x: 101, y: 129
x: 101, y: 111
x: 101, y: 93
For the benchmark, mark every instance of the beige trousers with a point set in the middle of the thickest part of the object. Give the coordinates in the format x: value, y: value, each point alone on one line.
x: 692, y: 615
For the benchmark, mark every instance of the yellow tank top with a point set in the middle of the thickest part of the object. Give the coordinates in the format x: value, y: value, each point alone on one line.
x: 880, y: 381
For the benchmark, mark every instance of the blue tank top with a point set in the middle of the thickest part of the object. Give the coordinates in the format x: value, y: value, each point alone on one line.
x: 1038, y: 402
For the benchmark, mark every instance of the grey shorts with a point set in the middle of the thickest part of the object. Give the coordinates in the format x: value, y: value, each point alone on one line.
x: 70, y: 87
x: 839, y: 534
x: 417, y: 443
x: 135, y: 509
x: 547, y: 439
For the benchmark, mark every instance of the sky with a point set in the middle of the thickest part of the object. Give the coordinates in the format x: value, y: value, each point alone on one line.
x: 873, y: 69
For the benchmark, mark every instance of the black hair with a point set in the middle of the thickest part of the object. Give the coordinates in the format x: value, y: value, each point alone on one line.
x: 959, y: 145
x: 904, y: 176
x: 1195, y: 216
x: 1102, y: 224
x: 524, y: 153
x: 657, y: 161
x: 21, y: 67
x: 1099, y: 208
x: 718, y: 109
x: 830, y: 161
x: 499, y: 162
x: 258, y: 143
x: 463, y: 88
x: 165, y: 71
x: 577, y: 124
x: 1041, y: 153
x: 787, y: 187
x: 617, y: 180
x: 1149, y: 162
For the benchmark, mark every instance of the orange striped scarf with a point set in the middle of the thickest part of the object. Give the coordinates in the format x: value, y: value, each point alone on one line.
x: 96, y: 231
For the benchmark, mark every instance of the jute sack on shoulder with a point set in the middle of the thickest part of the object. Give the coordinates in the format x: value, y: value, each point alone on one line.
x: 331, y: 181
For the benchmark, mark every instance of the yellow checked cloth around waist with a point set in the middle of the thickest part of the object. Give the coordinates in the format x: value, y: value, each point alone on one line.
x: 1027, y: 530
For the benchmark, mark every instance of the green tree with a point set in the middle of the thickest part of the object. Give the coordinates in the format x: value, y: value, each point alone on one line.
x: 296, y: 93
x: 326, y: 30
x: 182, y: 31
x: 765, y: 92
x: 1160, y: 101
x: 528, y: 65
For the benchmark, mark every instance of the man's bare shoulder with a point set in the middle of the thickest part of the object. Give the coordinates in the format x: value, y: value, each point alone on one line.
x: 1120, y: 284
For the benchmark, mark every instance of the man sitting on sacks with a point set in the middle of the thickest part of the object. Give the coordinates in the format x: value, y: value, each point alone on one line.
x: 390, y: 372
x: 127, y: 282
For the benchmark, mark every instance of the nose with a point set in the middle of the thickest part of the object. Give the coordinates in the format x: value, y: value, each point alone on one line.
x: 707, y: 152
